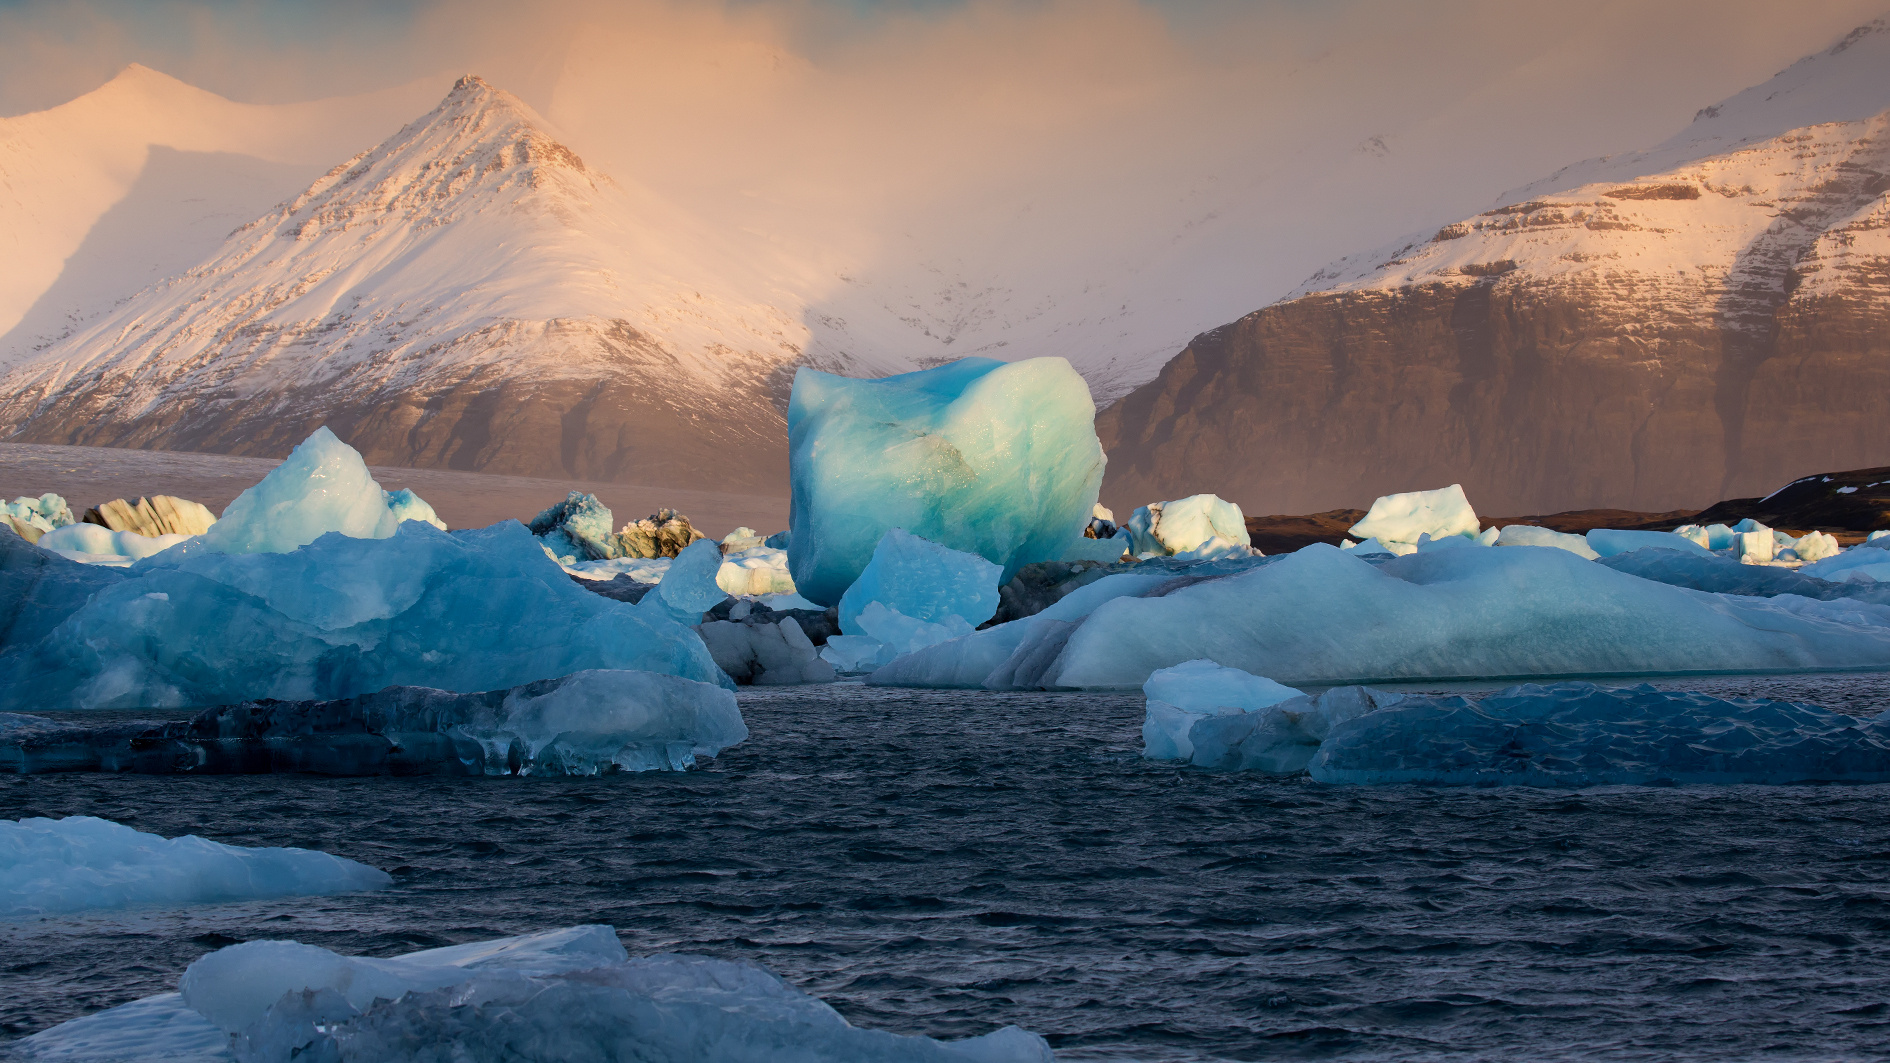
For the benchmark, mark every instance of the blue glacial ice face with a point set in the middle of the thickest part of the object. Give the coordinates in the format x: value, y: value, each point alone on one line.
x: 49, y: 866
x: 994, y: 459
x: 1401, y: 518
x: 1722, y: 574
x: 40, y: 589
x: 1580, y: 734
x: 922, y: 580
x: 1179, y: 697
x: 1607, y: 542
x: 405, y: 505
x: 688, y: 588
x: 1321, y: 615
x: 537, y: 998
x: 465, y: 611
x: 322, y: 487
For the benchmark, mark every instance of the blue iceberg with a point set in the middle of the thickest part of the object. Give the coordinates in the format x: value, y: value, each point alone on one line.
x: 995, y: 459
x: 1580, y: 734
x: 463, y: 611
x: 80, y: 863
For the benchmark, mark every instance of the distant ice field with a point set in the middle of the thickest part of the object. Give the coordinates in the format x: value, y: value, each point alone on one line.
x: 945, y: 862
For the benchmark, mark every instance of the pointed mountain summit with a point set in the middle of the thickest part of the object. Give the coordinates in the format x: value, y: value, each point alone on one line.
x: 467, y: 294
x: 1704, y: 320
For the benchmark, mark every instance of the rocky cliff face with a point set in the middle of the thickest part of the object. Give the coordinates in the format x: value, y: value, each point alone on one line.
x: 467, y: 295
x: 1659, y: 338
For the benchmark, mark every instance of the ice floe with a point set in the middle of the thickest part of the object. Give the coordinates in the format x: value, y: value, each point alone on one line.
x: 1580, y: 734
x: 467, y: 611
x: 1402, y: 518
x: 995, y: 459
x: 1199, y: 526
x: 912, y: 594
x: 551, y: 997
x: 587, y: 723
x: 80, y: 863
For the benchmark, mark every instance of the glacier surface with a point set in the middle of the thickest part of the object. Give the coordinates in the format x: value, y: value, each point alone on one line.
x: 560, y: 996
x: 1580, y: 734
x: 469, y: 610
x: 995, y: 459
x: 80, y: 863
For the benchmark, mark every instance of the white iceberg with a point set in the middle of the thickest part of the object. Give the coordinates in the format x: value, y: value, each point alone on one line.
x: 755, y: 570
x: 991, y: 458
x: 1528, y: 535
x: 323, y: 486
x: 562, y: 995
x: 1401, y: 518
x: 80, y: 863
x: 1579, y: 734
x: 95, y: 544
x: 405, y: 505
x: 1201, y: 526
x: 1323, y: 616
x: 46, y: 513
x: 465, y: 611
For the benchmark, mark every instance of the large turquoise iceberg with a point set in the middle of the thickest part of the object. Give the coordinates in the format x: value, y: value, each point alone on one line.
x: 992, y: 458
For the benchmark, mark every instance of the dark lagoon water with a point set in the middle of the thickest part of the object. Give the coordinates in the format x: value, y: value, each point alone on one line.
x: 947, y: 862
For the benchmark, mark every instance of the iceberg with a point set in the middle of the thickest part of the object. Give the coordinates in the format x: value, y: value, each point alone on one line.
x: 587, y: 723
x: 574, y: 530
x: 1722, y: 574
x: 1868, y: 561
x: 755, y: 571
x: 1527, y: 535
x: 912, y: 594
x: 990, y: 458
x: 405, y: 505
x: 1182, y: 696
x: 30, y: 518
x: 1401, y: 518
x: 1324, y: 616
x: 80, y: 863
x: 1580, y: 734
x: 94, y: 544
x: 766, y: 653
x: 464, y: 611
x: 688, y: 588
x: 1200, y: 526
x: 551, y: 997
x: 1607, y: 542
x: 323, y: 486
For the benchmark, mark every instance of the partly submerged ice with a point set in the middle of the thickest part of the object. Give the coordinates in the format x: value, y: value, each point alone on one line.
x: 992, y: 458
x: 1325, y: 616
x: 551, y: 997
x: 467, y: 611
x: 50, y: 866
x: 1190, y: 692
x: 1580, y: 734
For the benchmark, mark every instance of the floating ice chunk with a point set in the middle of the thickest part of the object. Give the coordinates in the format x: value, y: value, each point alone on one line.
x: 756, y: 570
x: 95, y: 544
x: 995, y: 459
x: 1404, y: 517
x: 1712, y: 536
x: 1722, y: 574
x: 43, y: 514
x: 569, y: 994
x: 1012, y: 655
x: 405, y: 505
x: 1579, y: 734
x: 468, y: 611
x: 586, y: 723
x: 923, y: 581
x: 1280, y: 739
x: 742, y: 539
x: 48, y: 866
x: 766, y: 654
x: 322, y: 487
x: 1322, y: 615
x: 1186, y: 525
x: 1869, y: 560
x: 574, y: 530
x: 1179, y: 697
x: 1607, y: 542
x: 1528, y: 535
x: 689, y: 588
x: 1373, y: 546
x: 1815, y: 547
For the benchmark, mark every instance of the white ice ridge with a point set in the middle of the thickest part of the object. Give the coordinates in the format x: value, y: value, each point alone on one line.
x: 1326, y: 616
x: 551, y: 997
x: 991, y: 459
x: 50, y: 866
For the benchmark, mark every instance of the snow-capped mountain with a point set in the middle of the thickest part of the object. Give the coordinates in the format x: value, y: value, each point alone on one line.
x: 467, y: 294
x: 1702, y: 320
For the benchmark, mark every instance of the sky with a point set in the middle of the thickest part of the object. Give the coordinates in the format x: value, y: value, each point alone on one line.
x: 1039, y: 160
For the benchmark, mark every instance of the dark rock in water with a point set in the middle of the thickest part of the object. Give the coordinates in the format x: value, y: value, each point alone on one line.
x: 1039, y: 586
x: 619, y: 588
x: 1723, y: 575
x: 580, y: 724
